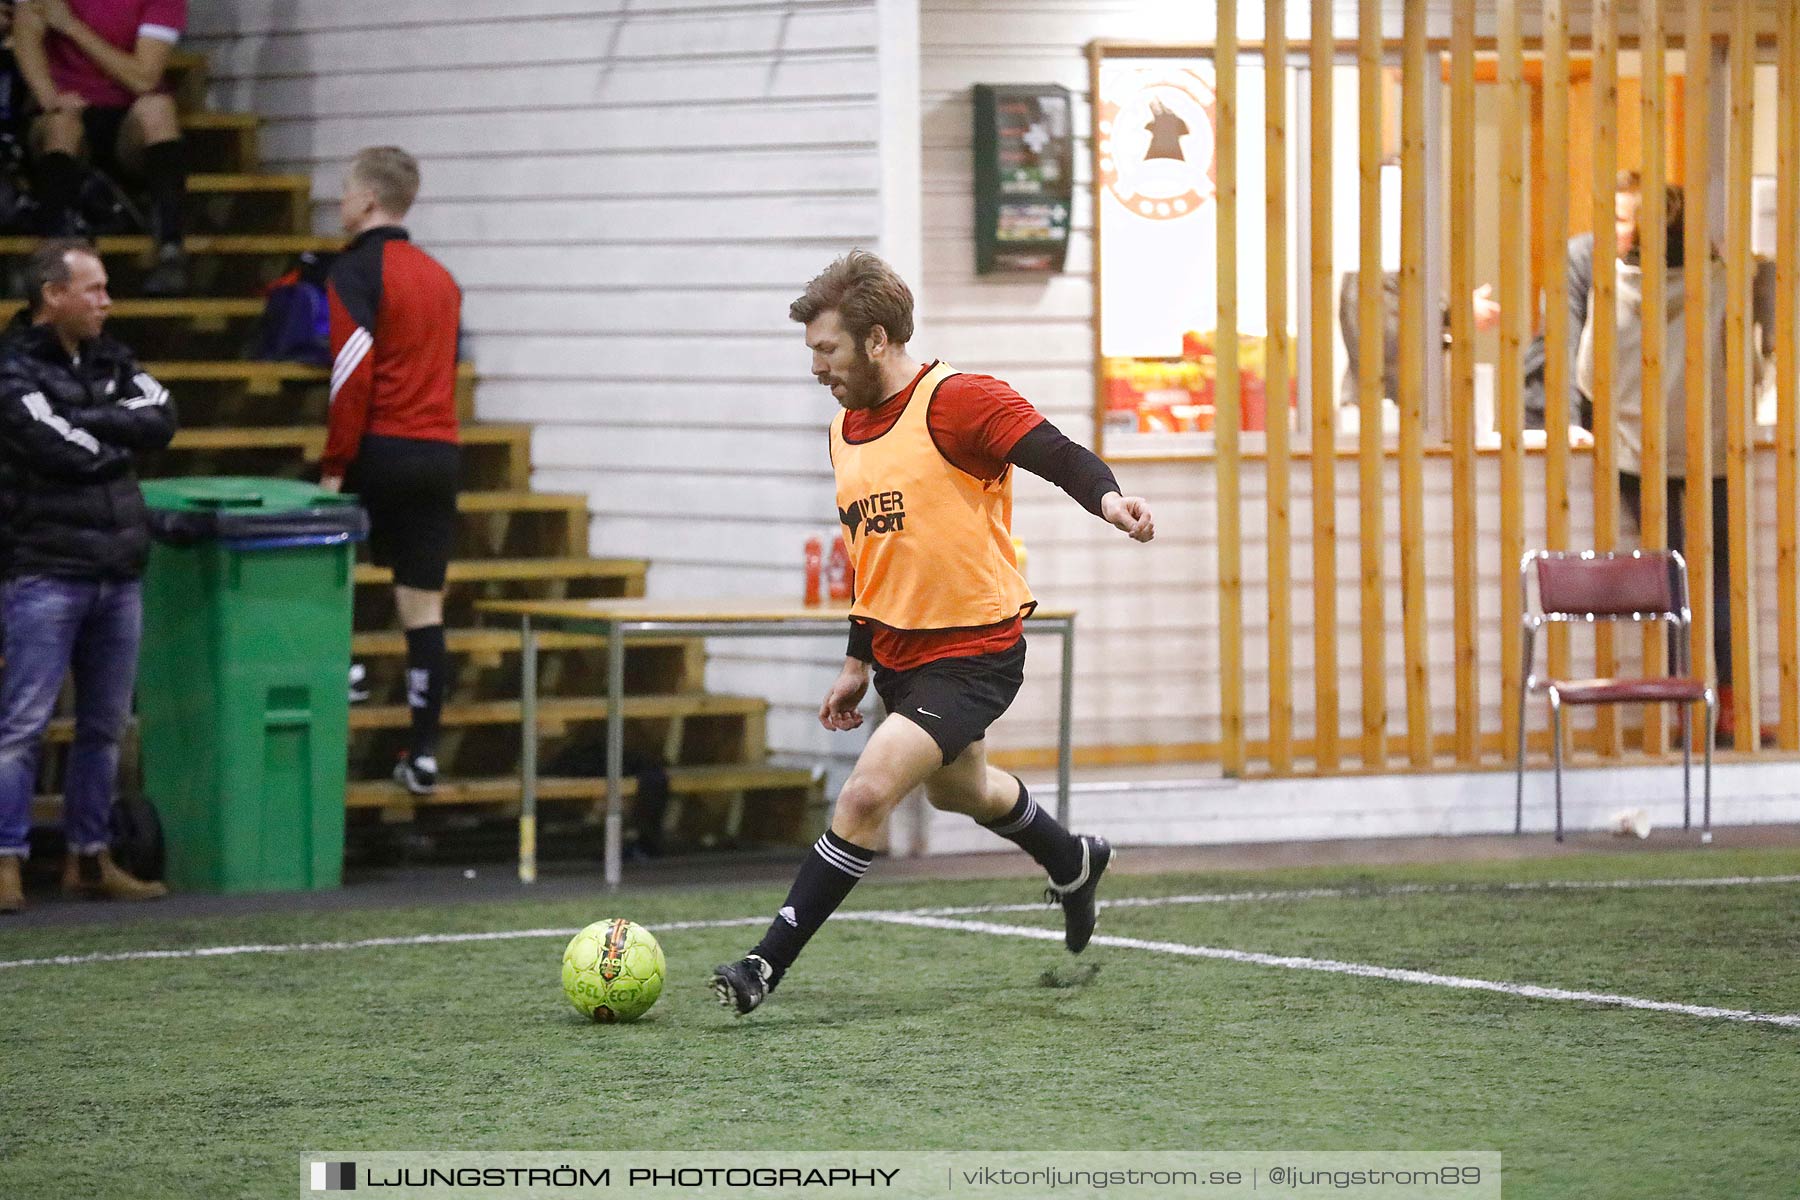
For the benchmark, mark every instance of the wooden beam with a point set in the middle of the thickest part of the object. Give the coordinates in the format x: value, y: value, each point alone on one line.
x: 1652, y: 254
x: 1739, y: 380
x: 1227, y: 419
x: 1530, y: 71
x: 1698, y: 351
x: 1276, y: 409
x: 1095, y: 188
x: 1552, y: 271
x: 1370, y: 360
x: 1514, y: 321
x: 1605, y: 300
x: 1787, y: 377
x: 1414, y: 328
x: 1463, y: 502
x: 1322, y: 392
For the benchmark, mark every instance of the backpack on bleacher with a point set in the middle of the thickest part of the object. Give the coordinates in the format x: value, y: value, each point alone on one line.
x: 296, y: 320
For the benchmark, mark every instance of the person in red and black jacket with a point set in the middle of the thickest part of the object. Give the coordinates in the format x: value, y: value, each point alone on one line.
x: 392, y: 435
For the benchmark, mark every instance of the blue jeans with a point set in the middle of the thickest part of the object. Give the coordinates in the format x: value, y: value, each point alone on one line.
x: 53, y: 625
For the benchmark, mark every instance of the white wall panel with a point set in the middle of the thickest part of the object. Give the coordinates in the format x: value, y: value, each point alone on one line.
x: 631, y: 192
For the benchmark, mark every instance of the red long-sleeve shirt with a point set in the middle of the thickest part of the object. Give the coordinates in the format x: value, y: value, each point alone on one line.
x: 394, y: 317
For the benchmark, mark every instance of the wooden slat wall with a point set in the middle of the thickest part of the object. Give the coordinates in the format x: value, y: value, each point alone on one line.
x: 1787, y: 366
x: 1653, y: 239
x: 1609, y: 732
x: 1413, y: 326
x: 1324, y: 407
x: 1226, y: 413
x: 1514, y: 321
x: 1280, y: 589
x: 1554, y: 222
x: 1698, y: 547
x: 1737, y: 398
x: 1174, y: 649
x: 1462, y: 379
x: 1370, y: 466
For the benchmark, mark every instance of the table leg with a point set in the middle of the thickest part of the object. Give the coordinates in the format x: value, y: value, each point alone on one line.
x: 528, y: 751
x: 615, y: 751
x: 1065, y: 722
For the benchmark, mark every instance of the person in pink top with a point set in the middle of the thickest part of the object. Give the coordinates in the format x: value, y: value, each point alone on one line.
x: 95, y: 68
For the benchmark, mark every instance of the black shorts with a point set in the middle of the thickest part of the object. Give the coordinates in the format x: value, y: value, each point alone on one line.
x: 408, y: 487
x: 955, y: 699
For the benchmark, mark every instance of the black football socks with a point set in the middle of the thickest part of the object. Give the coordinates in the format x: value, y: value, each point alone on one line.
x: 426, y: 660
x: 825, y: 878
x: 165, y: 170
x: 56, y: 180
x: 1035, y: 831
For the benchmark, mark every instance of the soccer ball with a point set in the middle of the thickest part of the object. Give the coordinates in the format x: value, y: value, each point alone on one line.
x: 613, y: 971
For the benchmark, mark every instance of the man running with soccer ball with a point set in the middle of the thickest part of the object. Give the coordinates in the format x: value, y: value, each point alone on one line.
x: 923, y: 456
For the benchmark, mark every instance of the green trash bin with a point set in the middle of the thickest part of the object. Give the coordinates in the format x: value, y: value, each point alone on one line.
x: 243, y: 703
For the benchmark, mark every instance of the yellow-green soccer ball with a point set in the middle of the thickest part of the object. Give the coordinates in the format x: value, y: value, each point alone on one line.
x: 613, y: 971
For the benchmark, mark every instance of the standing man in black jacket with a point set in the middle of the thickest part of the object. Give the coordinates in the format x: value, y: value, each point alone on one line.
x: 74, y: 537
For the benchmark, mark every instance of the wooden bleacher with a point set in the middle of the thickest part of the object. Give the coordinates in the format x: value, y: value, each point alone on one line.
x: 242, y: 417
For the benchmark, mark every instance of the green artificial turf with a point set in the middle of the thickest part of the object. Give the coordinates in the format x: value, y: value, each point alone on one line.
x: 202, y: 1077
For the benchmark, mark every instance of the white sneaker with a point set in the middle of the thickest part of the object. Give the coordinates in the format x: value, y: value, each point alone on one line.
x: 417, y: 775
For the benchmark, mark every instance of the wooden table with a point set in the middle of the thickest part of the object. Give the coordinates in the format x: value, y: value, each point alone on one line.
x: 620, y: 620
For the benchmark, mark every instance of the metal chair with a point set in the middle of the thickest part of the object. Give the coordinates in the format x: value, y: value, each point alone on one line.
x: 1587, y: 586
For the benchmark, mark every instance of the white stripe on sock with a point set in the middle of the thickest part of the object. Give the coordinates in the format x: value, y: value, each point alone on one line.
x: 850, y: 866
x: 1031, y: 812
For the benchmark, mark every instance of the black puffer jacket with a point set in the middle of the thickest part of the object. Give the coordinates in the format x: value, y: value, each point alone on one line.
x: 69, y: 499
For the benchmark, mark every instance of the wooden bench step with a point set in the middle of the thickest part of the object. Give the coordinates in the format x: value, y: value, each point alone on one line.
x: 551, y: 710
x: 187, y: 328
x: 218, y: 392
x: 511, y: 501
x: 563, y: 710
x: 493, y: 570
x: 216, y: 309
x: 263, y: 376
x: 199, y: 245
x: 221, y: 120
x: 496, y: 456
x: 310, y: 439
x: 215, y: 183
x: 485, y: 663
x: 271, y: 373
x: 386, y: 643
x: 683, y: 781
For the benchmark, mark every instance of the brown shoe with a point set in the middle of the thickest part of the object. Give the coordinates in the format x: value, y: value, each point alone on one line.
x: 98, y: 877
x: 12, y: 891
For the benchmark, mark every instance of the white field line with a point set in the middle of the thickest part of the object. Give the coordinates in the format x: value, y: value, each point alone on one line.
x: 1404, y: 889
x: 415, y: 939
x: 445, y: 939
x: 1362, y: 970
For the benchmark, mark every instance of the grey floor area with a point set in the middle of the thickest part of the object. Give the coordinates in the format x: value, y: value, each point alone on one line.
x: 490, y: 881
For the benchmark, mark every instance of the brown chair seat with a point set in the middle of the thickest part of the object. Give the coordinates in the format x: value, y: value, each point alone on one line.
x: 1593, y: 585
x: 1666, y: 689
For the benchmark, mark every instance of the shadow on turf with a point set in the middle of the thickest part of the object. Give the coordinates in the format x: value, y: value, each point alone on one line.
x: 1074, y: 977
x: 821, y: 1011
